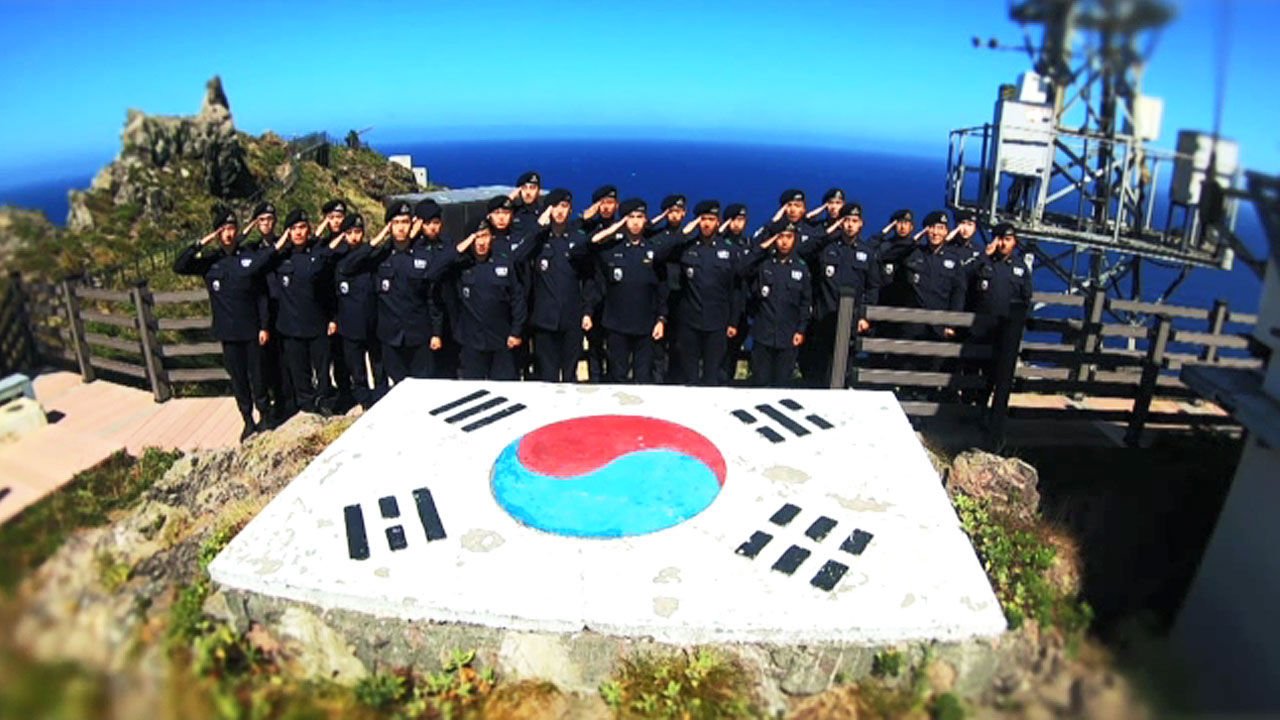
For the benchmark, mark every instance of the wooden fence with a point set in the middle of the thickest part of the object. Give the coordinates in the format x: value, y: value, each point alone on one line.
x: 161, y: 340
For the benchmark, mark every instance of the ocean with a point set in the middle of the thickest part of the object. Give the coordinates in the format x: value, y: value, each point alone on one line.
x: 749, y: 174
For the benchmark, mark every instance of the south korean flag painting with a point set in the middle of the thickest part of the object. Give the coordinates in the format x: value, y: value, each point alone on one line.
x: 688, y: 515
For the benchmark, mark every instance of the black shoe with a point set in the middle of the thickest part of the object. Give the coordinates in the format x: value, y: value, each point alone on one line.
x: 250, y: 429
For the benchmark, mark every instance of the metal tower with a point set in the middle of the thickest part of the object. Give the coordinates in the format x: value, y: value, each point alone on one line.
x: 1066, y: 157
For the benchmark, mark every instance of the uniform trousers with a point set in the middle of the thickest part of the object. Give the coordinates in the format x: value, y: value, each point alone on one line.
x: 354, y: 352
x: 556, y: 354
x: 488, y: 364
x: 630, y: 355
x: 701, y: 354
x: 307, y: 362
x: 773, y: 367
x: 243, y: 360
x: 402, y: 361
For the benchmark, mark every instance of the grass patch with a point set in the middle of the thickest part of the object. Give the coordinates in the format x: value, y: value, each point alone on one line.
x: 1018, y: 561
x: 316, y: 442
x: 89, y: 500
x: 694, y: 684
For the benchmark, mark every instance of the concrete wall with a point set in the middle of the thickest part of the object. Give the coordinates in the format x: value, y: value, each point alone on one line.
x: 1228, y: 632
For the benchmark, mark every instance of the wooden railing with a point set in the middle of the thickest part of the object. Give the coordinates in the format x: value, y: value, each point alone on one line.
x: 161, y: 340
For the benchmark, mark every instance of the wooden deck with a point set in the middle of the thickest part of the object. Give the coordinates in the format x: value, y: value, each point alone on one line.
x: 90, y: 421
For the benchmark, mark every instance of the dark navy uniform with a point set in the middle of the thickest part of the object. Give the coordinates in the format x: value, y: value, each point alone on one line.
x: 492, y: 307
x: 839, y: 263
x: 344, y: 376
x: 634, y: 300
x: 708, y: 268
x: 524, y: 216
x: 780, y: 307
x: 307, y: 306
x: 666, y: 352
x: 560, y: 266
x: 357, y: 322
x: 998, y: 283
x: 931, y: 278
x: 238, y: 298
x: 596, y: 367
x: 740, y: 289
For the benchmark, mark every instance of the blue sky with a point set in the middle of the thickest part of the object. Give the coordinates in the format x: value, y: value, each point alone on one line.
x: 895, y: 75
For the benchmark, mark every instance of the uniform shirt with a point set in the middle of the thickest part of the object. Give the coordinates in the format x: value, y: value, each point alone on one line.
x: 844, y: 262
x: 403, y: 275
x: 560, y: 265
x: 237, y: 291
x: 492, y: 304
x: 630, y: 276
x: 932, y: 279
x: 999, y: 283
x: 596, y: 223
x: 524, y: 218
x: 781, y: 297
x: 707, y: 269
x: 305, y: 277
x: 891, y: 251
x: 970, y: 255
x: 355, y: 286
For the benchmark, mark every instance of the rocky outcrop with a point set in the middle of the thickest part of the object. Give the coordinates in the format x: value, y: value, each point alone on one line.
x: 152, y: 145
x: 1007, y: 485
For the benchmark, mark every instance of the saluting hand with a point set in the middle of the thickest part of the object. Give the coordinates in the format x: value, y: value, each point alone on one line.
x: 990, y: 249
x: 658, y: 217
x: 724, y: 227
x: 834, y: 226
x: 814, y: 212
x: 591, y: 211
x: 609, y: 231
x: 769, y: 243
x: 416, y: 227
x: 209, y: 238
x: 280, y: 243
x: 954, y: 231
x: 544, y: 219
x: 689, y: 226
x: 337, y: 240
x: 466, y: 243
x: 382, y: 235
x: 778, y: 215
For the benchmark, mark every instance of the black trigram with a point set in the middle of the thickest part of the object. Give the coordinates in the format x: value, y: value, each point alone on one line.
x: 795, y: 556
x: 467, y: 408
x: 389, y: 508
x: 790, y: 418
x: 4, y: 493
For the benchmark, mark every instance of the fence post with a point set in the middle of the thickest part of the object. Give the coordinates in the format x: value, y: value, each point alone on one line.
x: 144, y: 304
x: 844, y: 334
x: 1004, y: 368
x: 1217, y: 319
x: 1091, y: 336
x: 76, y: 324
x: 31, y: 358
x: 1159, y: 340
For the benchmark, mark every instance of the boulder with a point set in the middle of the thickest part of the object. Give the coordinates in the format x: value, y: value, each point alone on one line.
x: 1006, y: 484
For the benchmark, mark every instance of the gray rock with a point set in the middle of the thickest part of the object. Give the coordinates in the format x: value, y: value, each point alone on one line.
x: 1007, y: 483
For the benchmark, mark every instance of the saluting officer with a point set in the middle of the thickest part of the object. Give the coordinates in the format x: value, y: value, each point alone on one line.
x: 492, y: 309
x: 667, y: 228
x: 706, y: 310
x: 261, y: 232
x: 893, y: 245
x: 821, y: 217
x: 963, y: 240
x: 932, y: 278
x: 602, y: 213
x: 559, y: 312
x: 304, y: 271
x: 781, y: 297
x: 233, y: 276
x: 333, y: 213
x: 357, y: 313
x: 843, y: 261
x: 1001, y: 280
x: 791, y: 209
x: 427, y: 236
x: 734, y: 230
x: 407, y: 319
x: 526, y: 204
x: 634, y: 313
x: 603, y: 210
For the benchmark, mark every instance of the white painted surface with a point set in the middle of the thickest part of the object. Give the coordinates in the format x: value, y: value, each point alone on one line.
x: 917, y: 579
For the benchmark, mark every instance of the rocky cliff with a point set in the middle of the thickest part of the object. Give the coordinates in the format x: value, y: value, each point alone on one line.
x: 173, y: 171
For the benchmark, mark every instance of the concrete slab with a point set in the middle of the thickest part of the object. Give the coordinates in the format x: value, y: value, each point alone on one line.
x: 823, y: 520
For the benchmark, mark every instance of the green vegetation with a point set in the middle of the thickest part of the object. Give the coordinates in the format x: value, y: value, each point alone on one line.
x: 89, y: 500
x: 1018, y: 561
x: 695, y: 684
x: 886, y: 663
